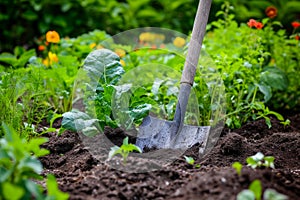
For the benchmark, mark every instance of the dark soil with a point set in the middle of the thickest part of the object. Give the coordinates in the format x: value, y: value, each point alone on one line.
x: 84, y: 177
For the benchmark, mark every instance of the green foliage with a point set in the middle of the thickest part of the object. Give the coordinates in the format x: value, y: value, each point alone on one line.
x: 259, y: 160
x: 190, y: 160
x: 255, y: 73
x: 53, y: 191
x: 123, y: 150
x: 255, y: 192
x: 73, y: 18
x: 19, y: 166
x: 238, y: 167
x: 244, y: 10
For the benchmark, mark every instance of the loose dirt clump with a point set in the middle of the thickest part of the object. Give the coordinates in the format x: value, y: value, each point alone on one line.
x: 84, y: 177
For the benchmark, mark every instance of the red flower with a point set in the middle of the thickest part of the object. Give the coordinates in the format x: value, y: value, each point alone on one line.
x: 297, y: 37
x: 251, y: 23
x: 259, y: 25
x: 41, y: 48
x: 296, y: 24
x: 271, y: 12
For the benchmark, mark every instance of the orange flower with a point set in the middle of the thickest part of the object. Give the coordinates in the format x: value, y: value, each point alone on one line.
x: 52, y: 36
x: 251, y: 23
x: 271, y: 11
x: 179, y: 42
x: 41, y: 48
x: 297, y: 37
x: 296, y: 24
x: 259, y: 25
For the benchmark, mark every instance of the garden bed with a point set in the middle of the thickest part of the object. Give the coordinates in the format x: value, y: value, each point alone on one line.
x: 84, y: 177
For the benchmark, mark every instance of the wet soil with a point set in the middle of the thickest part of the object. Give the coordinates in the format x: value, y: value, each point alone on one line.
x: 83, y: 176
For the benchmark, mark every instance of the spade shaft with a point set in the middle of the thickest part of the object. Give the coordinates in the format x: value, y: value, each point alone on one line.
x: 191, y: 62
x: 159, y: 133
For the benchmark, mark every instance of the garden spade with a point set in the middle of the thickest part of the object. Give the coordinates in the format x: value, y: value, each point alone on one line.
x: 158, y: 133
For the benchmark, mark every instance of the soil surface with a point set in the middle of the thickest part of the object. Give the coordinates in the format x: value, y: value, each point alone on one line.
x: 85, y: 177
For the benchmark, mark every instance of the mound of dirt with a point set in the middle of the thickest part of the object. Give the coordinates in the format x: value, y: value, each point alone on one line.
x: 85, y: 177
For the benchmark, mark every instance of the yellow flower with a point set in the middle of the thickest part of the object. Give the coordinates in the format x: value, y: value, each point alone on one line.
x: 123, y: 63
x: 46, y: 62
x: 52, y: 57
x: 179, y: 42
x: 93, y: 45
x: 151, y: 37
x: 52, y: 36
x: 121, y: 53
x: 99, y: 46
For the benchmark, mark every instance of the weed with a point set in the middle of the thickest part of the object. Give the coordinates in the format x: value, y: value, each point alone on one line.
x: 259, y: 160
x: 123, y: 150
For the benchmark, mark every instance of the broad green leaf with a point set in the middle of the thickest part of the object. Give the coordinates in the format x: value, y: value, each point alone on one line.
x: 8, y: 58
x: 258, y: 156
x: 53, y: 190
x: 251, y: 162
x: 140, y: 111
x: 25, y: 58
x: 34, y: 189
x: 34, y: 146
x: 12, y: 192
x: 269, y: 161
x: 246, y: 195
x: 114, y: 151
x: 30, y: 163
x: 268, y: 122
x: 125, y: 141
x: 77, y: 121
x: 266, y: 90
x: 271, y: 194
x: 256, y: 188
x: 130, y: 148
x: 274, y: 77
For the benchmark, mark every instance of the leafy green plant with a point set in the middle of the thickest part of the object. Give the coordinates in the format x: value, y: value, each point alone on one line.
x: 238, y: 167
x: 259, y: 160
x: 255, y: 192
x: 19, y: 166
x: 190, y: 160
x: 252, y: 72
x: 123, y: 150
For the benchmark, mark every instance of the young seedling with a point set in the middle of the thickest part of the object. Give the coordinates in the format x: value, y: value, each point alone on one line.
x: 123, y: 150
x: 259, y: 160
x: 254, y: 192
x: 286, y: 123
x: 190, y: 160
x: 238, y: 167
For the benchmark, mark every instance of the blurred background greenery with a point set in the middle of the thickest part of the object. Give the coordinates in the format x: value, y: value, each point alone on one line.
x: 22, y: 22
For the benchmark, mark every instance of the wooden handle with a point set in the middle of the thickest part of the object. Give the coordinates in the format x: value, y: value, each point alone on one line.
x: 194, y: 48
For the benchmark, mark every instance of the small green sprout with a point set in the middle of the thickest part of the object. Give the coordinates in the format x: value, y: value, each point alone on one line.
x: 254, y: 192
x: 286, y: 123
x: 123, y: 150
x: 190, y: 160
x: 238, y: 167
x: 259, y: 160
